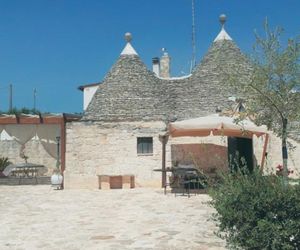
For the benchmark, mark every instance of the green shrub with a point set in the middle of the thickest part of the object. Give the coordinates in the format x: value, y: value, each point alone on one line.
x: 257, y: 212
x: 4, y: 162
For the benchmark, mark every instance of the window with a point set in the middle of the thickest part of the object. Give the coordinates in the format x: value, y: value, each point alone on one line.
x: 144, y: 145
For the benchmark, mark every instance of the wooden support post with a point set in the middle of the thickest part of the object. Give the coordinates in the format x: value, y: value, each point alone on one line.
x: 164, y: 140
x: 264, y: 153
x: 163, y: 165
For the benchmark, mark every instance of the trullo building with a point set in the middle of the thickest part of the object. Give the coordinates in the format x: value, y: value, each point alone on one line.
x: 127, y: 112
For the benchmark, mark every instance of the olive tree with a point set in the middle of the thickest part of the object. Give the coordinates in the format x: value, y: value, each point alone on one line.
x: 273, y: 90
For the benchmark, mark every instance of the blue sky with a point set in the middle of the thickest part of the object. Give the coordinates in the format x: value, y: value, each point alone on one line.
x: 57, y: 45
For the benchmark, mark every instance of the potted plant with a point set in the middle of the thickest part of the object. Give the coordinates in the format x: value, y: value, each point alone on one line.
x: 57, y: 178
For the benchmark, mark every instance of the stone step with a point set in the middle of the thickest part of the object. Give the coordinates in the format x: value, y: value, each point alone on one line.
x: 11, y: 181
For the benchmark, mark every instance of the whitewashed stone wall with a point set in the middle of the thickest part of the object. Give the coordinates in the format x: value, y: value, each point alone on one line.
x: 274, y: 156
x: 88, y: 93
x: 33, y: 149
x: 95, y: 148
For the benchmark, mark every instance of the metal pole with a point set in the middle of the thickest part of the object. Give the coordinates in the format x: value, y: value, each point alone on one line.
x: 10, y: 97
x: 57, y: 159
x: 34, y: 99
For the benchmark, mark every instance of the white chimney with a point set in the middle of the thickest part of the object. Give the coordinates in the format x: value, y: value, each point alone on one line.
x: 155, y: 65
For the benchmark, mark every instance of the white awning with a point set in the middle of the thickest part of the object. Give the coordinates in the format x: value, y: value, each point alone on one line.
x: 216, y: 125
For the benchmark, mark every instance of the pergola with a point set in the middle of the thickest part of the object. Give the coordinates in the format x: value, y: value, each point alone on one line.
x: 22, y: 123
x: 215, y: 125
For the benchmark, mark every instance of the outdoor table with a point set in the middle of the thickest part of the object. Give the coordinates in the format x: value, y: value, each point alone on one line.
x: 27, y: 170
x: 181, y: 176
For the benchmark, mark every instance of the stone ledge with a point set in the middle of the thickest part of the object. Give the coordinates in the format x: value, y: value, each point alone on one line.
x: 13, y: 181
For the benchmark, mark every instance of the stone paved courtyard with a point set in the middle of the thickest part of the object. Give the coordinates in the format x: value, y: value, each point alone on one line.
x: 38, y: 217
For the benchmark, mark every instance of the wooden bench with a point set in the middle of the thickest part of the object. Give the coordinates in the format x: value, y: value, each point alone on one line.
x: 116, y: 181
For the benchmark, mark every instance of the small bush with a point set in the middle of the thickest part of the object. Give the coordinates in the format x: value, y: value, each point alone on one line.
x: 257, y: 212
x: 4, y: 162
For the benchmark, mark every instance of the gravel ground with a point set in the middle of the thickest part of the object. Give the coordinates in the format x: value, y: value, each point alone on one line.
x: 38, y: 217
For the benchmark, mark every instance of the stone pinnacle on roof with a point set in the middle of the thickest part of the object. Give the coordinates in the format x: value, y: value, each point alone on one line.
x: 223, y: 35
x: 128, y: 50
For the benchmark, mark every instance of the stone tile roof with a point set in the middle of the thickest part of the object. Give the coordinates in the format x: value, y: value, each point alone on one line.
x: 130, y: 92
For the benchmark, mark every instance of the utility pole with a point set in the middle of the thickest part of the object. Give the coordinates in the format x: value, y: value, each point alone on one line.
x: 34, y: 99
x: 10, y: 97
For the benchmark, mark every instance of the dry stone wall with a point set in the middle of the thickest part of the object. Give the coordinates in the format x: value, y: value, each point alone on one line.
x: 95, y: 148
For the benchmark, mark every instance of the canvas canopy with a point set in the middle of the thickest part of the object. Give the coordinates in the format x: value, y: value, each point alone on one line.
x: 216, y: 125
x: 47, y: 133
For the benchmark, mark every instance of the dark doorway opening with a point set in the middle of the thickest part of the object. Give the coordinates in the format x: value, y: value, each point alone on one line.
x: 240, y: 153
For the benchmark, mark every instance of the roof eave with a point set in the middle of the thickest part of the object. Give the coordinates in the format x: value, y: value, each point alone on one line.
x: 82, y: 87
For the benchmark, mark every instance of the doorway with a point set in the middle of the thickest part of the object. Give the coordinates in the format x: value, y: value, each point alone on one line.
x: 240, y: 153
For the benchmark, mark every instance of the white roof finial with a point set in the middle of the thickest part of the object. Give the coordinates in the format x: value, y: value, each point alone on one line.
x: 128, y: 37
x: 128, y: 50
x: 222, y: 19
x: 223, y: 34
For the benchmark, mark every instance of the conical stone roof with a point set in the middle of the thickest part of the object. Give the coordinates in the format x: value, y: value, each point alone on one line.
x: 129, y: 92
x: 208, y: 88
